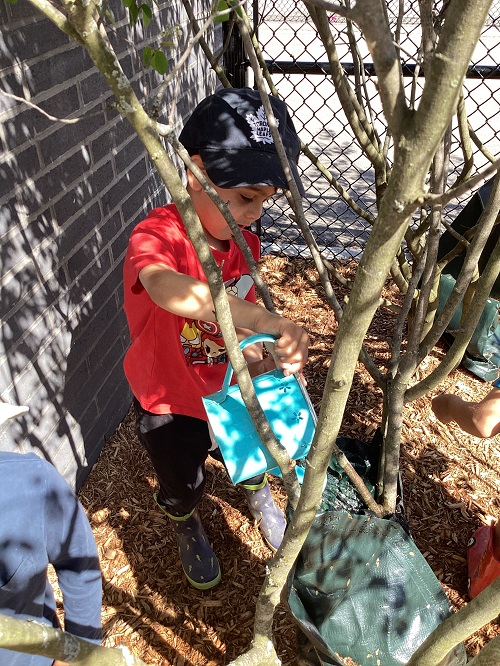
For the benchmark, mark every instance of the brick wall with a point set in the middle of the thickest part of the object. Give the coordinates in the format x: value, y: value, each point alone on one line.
x: 70, y: 193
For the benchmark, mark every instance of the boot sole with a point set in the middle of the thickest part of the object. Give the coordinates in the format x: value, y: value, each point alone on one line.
x: 204, y: 586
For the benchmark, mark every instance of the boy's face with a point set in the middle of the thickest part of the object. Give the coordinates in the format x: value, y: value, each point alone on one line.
x: 245, y: 204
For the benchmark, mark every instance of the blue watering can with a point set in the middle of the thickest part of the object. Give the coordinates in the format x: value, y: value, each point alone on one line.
x: 287, y: 407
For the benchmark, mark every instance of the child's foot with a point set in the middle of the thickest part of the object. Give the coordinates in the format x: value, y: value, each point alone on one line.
x: 482, y: 566
x: 198, y: 560
x: 271, y: 520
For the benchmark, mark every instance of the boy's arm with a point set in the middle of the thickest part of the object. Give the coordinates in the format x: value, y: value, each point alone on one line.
x: 481, y: 419
x: 188, y: 297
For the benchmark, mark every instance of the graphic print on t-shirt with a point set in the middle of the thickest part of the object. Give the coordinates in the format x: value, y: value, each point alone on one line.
x: 202, y: 341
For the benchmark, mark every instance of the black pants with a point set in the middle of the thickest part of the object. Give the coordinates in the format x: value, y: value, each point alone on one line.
x: 178, y: 447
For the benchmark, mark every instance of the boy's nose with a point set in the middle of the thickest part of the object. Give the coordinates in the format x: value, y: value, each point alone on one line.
x: 254, y: 212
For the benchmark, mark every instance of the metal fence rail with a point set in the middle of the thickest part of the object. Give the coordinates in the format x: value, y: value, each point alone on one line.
x: 298, y: 64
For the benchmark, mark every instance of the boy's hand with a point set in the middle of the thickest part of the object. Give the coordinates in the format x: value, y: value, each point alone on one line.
x: 291, y: 347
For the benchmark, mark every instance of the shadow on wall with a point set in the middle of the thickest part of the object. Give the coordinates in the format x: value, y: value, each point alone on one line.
x: 63, y: 229
x: 63, y: 334
x: 70, y: 195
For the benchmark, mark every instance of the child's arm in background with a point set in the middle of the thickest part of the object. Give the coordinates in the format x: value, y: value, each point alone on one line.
x: 481, y: 419
x: 188, y: 297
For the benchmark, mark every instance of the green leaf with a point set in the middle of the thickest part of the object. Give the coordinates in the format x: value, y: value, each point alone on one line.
x: 146, y: 56
x: 147, y: 15
x: 222, y: 6
x: 128, y: 3
x: 159, y: 62
x: 133, y: 14
x: 12, y: 2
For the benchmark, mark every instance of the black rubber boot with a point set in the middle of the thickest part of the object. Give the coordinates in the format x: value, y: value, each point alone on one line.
x: 270, y: 518
x: 199, y: 563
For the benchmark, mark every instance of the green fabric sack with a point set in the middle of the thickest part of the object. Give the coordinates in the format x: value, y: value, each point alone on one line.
x: 360, y: 587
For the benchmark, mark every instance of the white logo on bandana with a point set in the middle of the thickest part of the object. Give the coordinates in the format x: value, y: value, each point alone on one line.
x: 260, y: 127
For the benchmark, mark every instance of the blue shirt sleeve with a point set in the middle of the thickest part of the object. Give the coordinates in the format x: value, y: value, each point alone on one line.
x: 42, y: 522
x: 72, y: 551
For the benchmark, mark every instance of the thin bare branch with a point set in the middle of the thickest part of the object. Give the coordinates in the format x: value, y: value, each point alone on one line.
x: 333, y: 8
x: 355, y: 114
x: 465, y: 139
x: 340, y: 189
x: 227, y: 41
x: 397, y: 337
x: 372, y: 20
x: 462, y: 189
x: 478, y: 143
x: 68, y: 121
x: 174, y: 73
x: 486, y: 223
x: 459, y: 626
x: 204, y: 46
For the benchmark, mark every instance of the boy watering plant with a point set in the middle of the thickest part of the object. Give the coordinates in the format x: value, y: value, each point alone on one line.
x: 177, y: 353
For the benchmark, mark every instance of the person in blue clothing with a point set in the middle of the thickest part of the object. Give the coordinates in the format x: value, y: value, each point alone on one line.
x: 42, y: 523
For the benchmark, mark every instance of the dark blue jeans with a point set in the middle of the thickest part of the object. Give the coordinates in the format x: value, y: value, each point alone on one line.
x: 178, y: 447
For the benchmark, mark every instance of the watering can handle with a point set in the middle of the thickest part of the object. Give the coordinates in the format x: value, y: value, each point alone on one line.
x: 252, y: 339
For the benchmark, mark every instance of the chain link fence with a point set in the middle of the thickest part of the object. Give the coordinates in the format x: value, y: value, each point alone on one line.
x: 291, y: 10
x: 299, y: 68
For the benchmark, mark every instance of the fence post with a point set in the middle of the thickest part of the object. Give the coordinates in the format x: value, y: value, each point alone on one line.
x: 235, y: 59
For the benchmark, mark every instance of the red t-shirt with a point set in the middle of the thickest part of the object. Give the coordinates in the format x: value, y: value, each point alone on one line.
x: 172, y: 362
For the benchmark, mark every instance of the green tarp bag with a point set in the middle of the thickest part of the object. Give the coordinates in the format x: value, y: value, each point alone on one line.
x: 360, y: 587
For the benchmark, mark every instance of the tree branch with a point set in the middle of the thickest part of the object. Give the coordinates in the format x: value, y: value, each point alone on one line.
x: 459, y: 626
x: 372, y: 20
x: 461, y: 190
x: 30, y: 637
x: 485, y: 225
x: 467, y: 326
x: 206, y: 49
x: 67, y: 121
x: 58, y: 18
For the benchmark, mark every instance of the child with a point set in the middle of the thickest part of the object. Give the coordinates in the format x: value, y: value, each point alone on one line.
x: 177, y: 353
x: 481, y: 419
x: 43, y: 523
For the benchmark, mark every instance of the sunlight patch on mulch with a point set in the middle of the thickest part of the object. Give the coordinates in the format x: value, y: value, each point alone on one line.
x: 450, y: 481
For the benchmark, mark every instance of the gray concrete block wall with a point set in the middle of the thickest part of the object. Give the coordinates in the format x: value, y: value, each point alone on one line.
x: 70, y: 194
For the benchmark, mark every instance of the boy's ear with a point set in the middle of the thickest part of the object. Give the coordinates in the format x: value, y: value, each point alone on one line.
x: 192, y: 181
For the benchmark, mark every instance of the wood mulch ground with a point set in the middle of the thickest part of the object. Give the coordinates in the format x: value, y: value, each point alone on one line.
x: 450, y: 480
